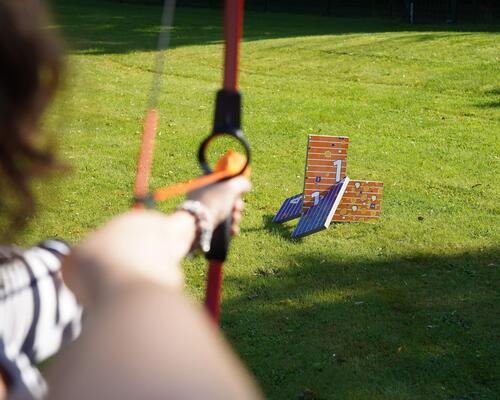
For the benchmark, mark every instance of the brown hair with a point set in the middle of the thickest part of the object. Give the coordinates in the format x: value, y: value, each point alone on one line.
x: 30, y: 64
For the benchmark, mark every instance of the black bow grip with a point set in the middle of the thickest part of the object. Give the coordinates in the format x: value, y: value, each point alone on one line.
x: 227, y: 122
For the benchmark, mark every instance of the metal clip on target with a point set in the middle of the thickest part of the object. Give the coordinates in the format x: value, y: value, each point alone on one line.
x: 227, y: 123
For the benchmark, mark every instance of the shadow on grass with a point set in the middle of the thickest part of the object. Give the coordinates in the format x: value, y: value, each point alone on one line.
x: 489, y: 104
x: 414, y: 327
x: 493, y: 101
x: 282, y: 230
x: 106, y: 27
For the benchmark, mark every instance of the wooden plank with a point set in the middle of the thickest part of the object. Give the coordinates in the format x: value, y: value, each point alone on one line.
x: 325, y: 154
x: 362, y: 201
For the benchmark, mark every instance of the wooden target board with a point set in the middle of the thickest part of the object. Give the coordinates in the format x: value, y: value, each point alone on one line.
x: 326, y: 165
x: 362, y: 201
x: 329, y: 195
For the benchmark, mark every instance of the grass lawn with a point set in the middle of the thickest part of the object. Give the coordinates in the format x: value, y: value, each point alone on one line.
x: 407, y: 308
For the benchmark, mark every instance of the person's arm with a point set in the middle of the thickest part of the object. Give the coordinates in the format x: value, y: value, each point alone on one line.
x: 3, y: 386
x: 148, y: 341
x: 142, y: 337
x: 148, y: 243
x: 145, y: 244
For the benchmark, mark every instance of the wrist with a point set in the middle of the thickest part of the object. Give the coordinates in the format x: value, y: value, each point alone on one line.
x: 204, y: 224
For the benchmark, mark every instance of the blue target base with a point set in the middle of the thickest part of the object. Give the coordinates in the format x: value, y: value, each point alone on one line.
x: 320, y: 215
x: 290, y: 209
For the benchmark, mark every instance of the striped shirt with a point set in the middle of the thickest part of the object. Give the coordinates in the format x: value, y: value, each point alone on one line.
x: 38, y: 314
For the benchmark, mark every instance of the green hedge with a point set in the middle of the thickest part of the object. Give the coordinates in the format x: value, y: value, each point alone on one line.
x: 424, y: 10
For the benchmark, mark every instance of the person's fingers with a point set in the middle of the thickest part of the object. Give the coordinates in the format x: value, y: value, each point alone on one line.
x: 223, y: 198
x: 239, y: 185
x: 239, y: 204
x: 236, y: 218
x: 235, y: 225
x: 236, y: 215
x: 238, y: 208
x: 235, y: 230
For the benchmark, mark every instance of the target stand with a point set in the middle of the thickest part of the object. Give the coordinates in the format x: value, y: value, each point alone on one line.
x: 328, y: 194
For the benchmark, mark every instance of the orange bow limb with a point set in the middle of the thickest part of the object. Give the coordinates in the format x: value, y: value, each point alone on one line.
x: 141, y: 186
x: 232, y: 162
x: 227, y: 166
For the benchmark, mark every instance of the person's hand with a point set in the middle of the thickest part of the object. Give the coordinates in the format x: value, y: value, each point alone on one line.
x: 224, y: 200
x: 147, y: 244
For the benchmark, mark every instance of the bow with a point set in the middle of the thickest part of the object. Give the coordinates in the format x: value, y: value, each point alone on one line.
x: 227, y: 123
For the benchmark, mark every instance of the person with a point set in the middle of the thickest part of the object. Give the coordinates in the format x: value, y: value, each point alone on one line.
x: 141, y: 336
